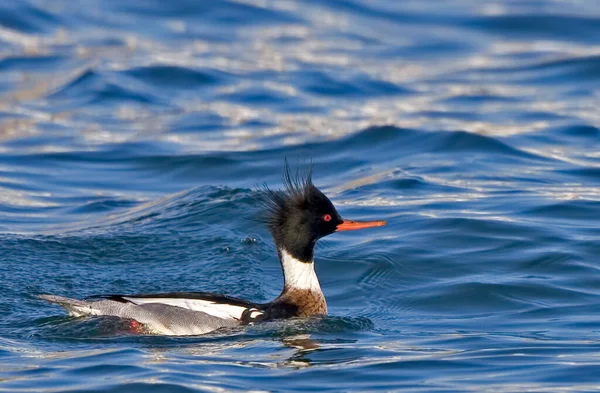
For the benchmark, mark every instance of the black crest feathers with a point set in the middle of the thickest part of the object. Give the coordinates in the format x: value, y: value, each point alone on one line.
x: 296, y: 214
x: 295, y: 194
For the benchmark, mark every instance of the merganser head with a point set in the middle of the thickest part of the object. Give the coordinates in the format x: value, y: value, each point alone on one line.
x: 301, y: 214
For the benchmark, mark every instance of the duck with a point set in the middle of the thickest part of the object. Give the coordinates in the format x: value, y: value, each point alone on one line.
x: 297, y: 216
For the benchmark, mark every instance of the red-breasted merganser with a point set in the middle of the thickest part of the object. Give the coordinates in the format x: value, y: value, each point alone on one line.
x: 297, y: 217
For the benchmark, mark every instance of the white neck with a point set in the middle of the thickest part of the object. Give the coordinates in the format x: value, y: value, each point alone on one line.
x: 298, y: 274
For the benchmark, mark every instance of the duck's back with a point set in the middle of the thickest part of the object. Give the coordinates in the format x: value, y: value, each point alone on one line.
x: 182, y: 313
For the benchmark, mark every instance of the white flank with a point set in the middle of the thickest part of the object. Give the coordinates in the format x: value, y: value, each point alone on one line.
x: 219, y: 310
x: 298, y: 274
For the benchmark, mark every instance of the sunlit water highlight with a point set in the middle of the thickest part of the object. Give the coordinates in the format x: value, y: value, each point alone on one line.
x: 133, y: 136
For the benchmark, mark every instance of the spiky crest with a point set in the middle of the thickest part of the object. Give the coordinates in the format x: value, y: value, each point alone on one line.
x: 296, y: 191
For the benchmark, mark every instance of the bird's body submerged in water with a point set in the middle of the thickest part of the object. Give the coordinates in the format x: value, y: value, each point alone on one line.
x: 297, y: 217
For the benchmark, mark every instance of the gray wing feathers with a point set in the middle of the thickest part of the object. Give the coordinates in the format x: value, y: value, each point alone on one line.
x: 158, y: 318
x: 73, y: 306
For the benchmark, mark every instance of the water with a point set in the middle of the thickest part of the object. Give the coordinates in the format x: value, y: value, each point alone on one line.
x: 134, y: 134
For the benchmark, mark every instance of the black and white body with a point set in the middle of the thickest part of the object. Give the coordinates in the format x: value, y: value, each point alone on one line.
x: 297, y: 217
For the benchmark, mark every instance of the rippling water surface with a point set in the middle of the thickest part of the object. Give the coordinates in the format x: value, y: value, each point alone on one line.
x: 133, y: 134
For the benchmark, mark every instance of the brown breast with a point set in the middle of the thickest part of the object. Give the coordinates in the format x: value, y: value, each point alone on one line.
x: 308, y: 302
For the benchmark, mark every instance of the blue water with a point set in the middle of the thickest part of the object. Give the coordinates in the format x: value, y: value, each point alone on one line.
x: 133, y: 135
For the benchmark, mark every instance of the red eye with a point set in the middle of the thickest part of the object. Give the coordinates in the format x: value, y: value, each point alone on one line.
x: 327, y: 217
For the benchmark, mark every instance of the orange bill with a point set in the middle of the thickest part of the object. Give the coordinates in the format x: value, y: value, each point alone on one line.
x: 348, y: 225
